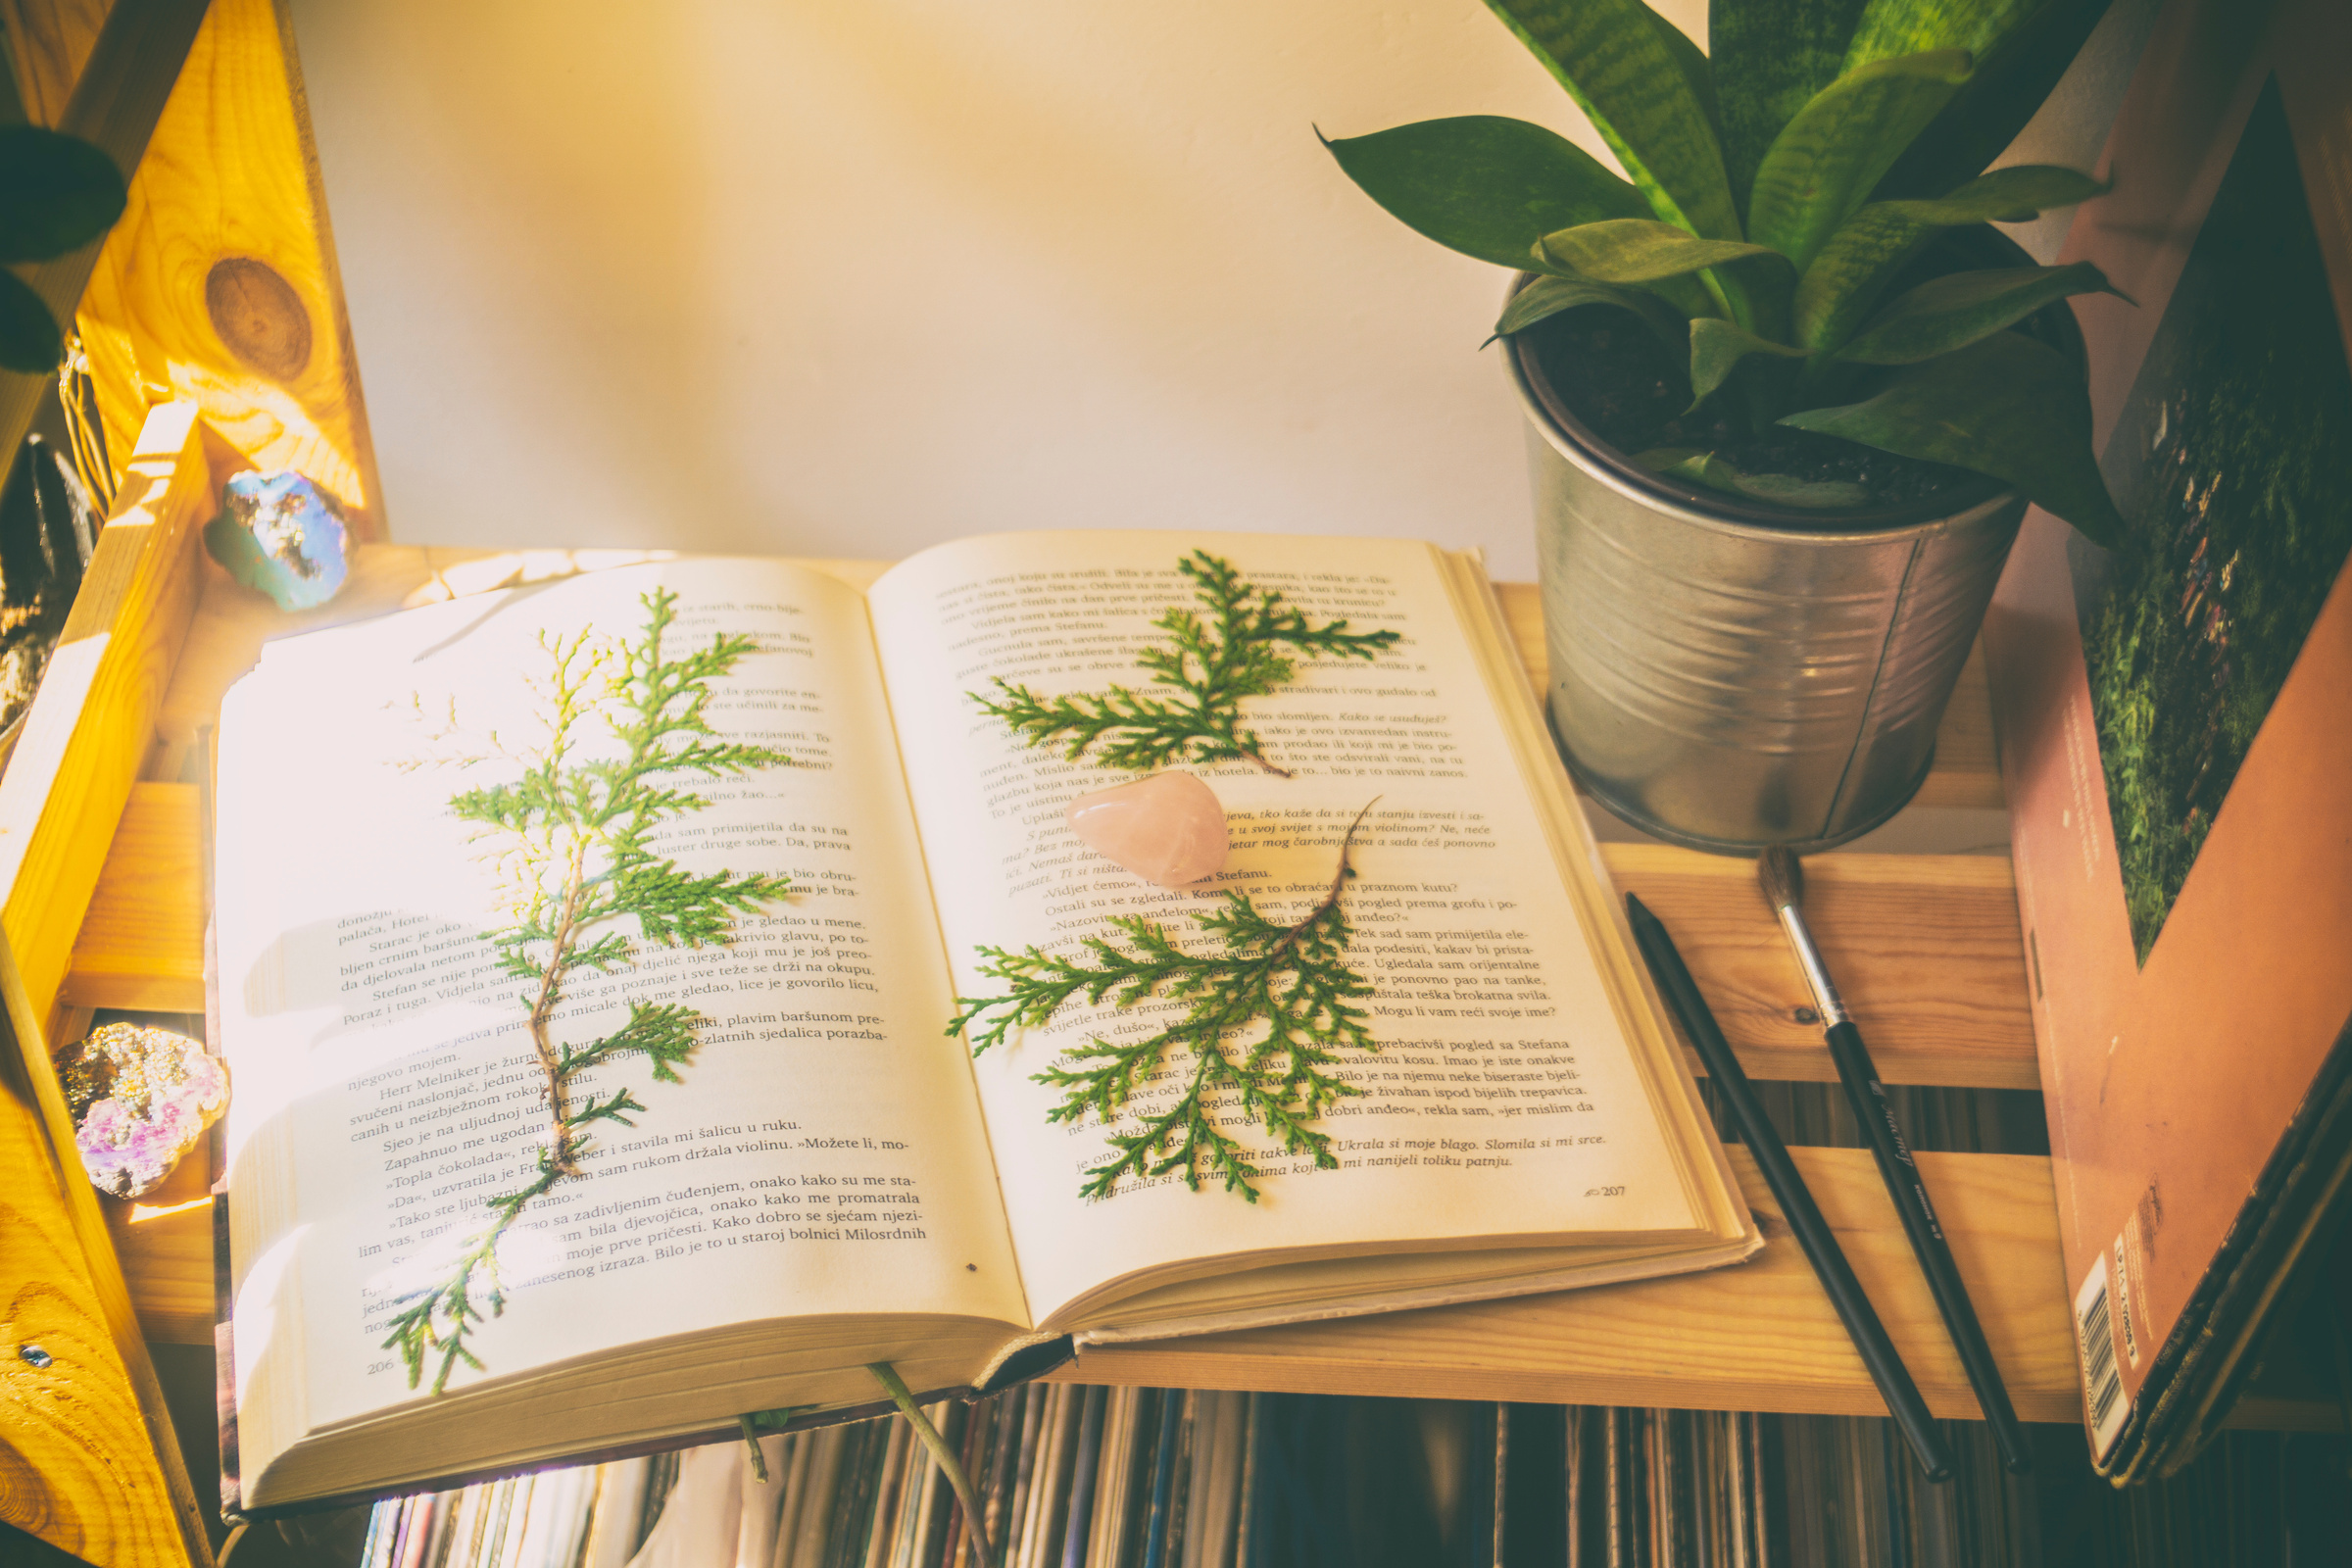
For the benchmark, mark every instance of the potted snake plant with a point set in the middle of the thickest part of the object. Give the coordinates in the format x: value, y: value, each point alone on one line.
x: 1789, y: 394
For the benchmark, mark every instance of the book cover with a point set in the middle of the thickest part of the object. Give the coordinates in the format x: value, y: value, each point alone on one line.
x: 2173, y: 719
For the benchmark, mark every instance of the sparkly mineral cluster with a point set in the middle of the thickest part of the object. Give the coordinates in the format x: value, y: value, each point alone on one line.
x: 283, y: 534
x: 141, y: 1097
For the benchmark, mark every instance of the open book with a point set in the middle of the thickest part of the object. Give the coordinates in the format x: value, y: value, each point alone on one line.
x: 812, y: 1176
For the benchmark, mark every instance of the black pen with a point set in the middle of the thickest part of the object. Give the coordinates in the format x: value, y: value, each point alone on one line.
x: 1784, y: 884
x: 1788, y: 1190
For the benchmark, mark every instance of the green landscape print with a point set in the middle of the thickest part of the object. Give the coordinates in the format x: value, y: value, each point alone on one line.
x: 2233, y: 463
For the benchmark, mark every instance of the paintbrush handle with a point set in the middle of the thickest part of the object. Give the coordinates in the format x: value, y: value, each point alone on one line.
x: 1788, y: 1190
x: 1904, y: 1184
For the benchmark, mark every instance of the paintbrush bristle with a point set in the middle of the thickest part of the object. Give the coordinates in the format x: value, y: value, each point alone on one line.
x: 1783, y: 878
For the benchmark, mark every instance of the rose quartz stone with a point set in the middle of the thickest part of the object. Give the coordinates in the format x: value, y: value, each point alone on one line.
x: 1167, y: 829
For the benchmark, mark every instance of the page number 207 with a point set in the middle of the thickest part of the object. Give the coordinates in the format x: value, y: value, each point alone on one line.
x: 1604, y: 1191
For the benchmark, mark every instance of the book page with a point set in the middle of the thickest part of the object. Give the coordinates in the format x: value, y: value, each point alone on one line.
x: 817, y: 1150
x: 1503, y: 1104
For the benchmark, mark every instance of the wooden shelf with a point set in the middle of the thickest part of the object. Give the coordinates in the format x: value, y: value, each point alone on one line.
x: 1926, y: 946
x: 1928, y: 943
x: 1759, y: 1337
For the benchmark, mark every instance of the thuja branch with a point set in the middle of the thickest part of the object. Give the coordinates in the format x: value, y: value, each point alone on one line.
x: 1292, y: 979
x: 625, y: 735
x: 1207, y: 666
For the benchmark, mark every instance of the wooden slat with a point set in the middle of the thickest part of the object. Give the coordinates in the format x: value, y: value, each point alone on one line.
x: 1758, y: 1337
x: 164, y: 1242
x: 220, y: 281
x: 1965, y: 772
x: 85, y: 737
x: 1925, y: 948
x: 88, y: 1461
x: 74, y: 1466
x: 91, y: 723
x: 142, y: 942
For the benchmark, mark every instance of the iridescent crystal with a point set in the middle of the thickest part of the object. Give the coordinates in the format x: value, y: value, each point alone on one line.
x: 1167, y: 828
x: 141, y: 1097
x: 283, y: 534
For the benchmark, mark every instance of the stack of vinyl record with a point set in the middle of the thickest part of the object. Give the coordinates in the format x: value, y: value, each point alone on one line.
x: 1065, y: 1477
x: 1070, y: 1477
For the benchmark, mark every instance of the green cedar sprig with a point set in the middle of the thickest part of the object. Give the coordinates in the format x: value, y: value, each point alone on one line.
x: 1293, y: 978
x: 574, y: 836
x: 1211, y: 665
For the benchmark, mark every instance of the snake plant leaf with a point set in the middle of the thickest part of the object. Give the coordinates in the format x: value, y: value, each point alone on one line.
x: 2004, y: 406
x: 1770, y: 57
x: 1484, y: 184
x: 2013, y: 79
x: 1657, y: 459
x: 56, y: 193
x: 1823, y: 163
x: 1891, y: 29
x: 1546, y: 297
x: 1698, y: 74
x: 1811, y: 495
x: 1635, y: 249
x: 1615, y: 61
x: 1954, y: 310
x: 1716, y: 349
x: 1844, y: 282
x: 29, y: 340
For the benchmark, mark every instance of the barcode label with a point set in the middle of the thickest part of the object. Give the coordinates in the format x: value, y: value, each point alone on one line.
x: 2102, y: 1379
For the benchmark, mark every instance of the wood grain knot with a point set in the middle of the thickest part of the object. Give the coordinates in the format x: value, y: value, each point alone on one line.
x: 258, y: 315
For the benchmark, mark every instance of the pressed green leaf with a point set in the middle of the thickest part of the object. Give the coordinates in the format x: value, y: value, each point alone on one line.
x: 57, y: 192
x: 1548, y: 296
x: 2013, y: 78
x: 1812, y: 494
x: 1891, y: 29
x: 1634, y: 250
x: 29, y: 340
x: 1485, y: 186
x: 1717, y: 347
x: 1953, y: 312
x: 1770, y: 57
x: 1615, y: 61
x: 2004, y: 406
x: 1864, y: 255
x: 1824, y: 162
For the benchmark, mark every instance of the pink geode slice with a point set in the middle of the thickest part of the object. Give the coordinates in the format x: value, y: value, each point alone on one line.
x: 1167, y: 829
x: 141, y: 1096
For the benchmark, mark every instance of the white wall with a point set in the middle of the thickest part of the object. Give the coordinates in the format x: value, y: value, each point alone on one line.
x: 851, y: 277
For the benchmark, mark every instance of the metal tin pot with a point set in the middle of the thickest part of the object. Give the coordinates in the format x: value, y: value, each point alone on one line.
x: 1728, y: 676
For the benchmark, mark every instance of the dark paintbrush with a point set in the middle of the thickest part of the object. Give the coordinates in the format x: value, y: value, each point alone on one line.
x: 1788, y: 1190
x: 1784, y: 883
